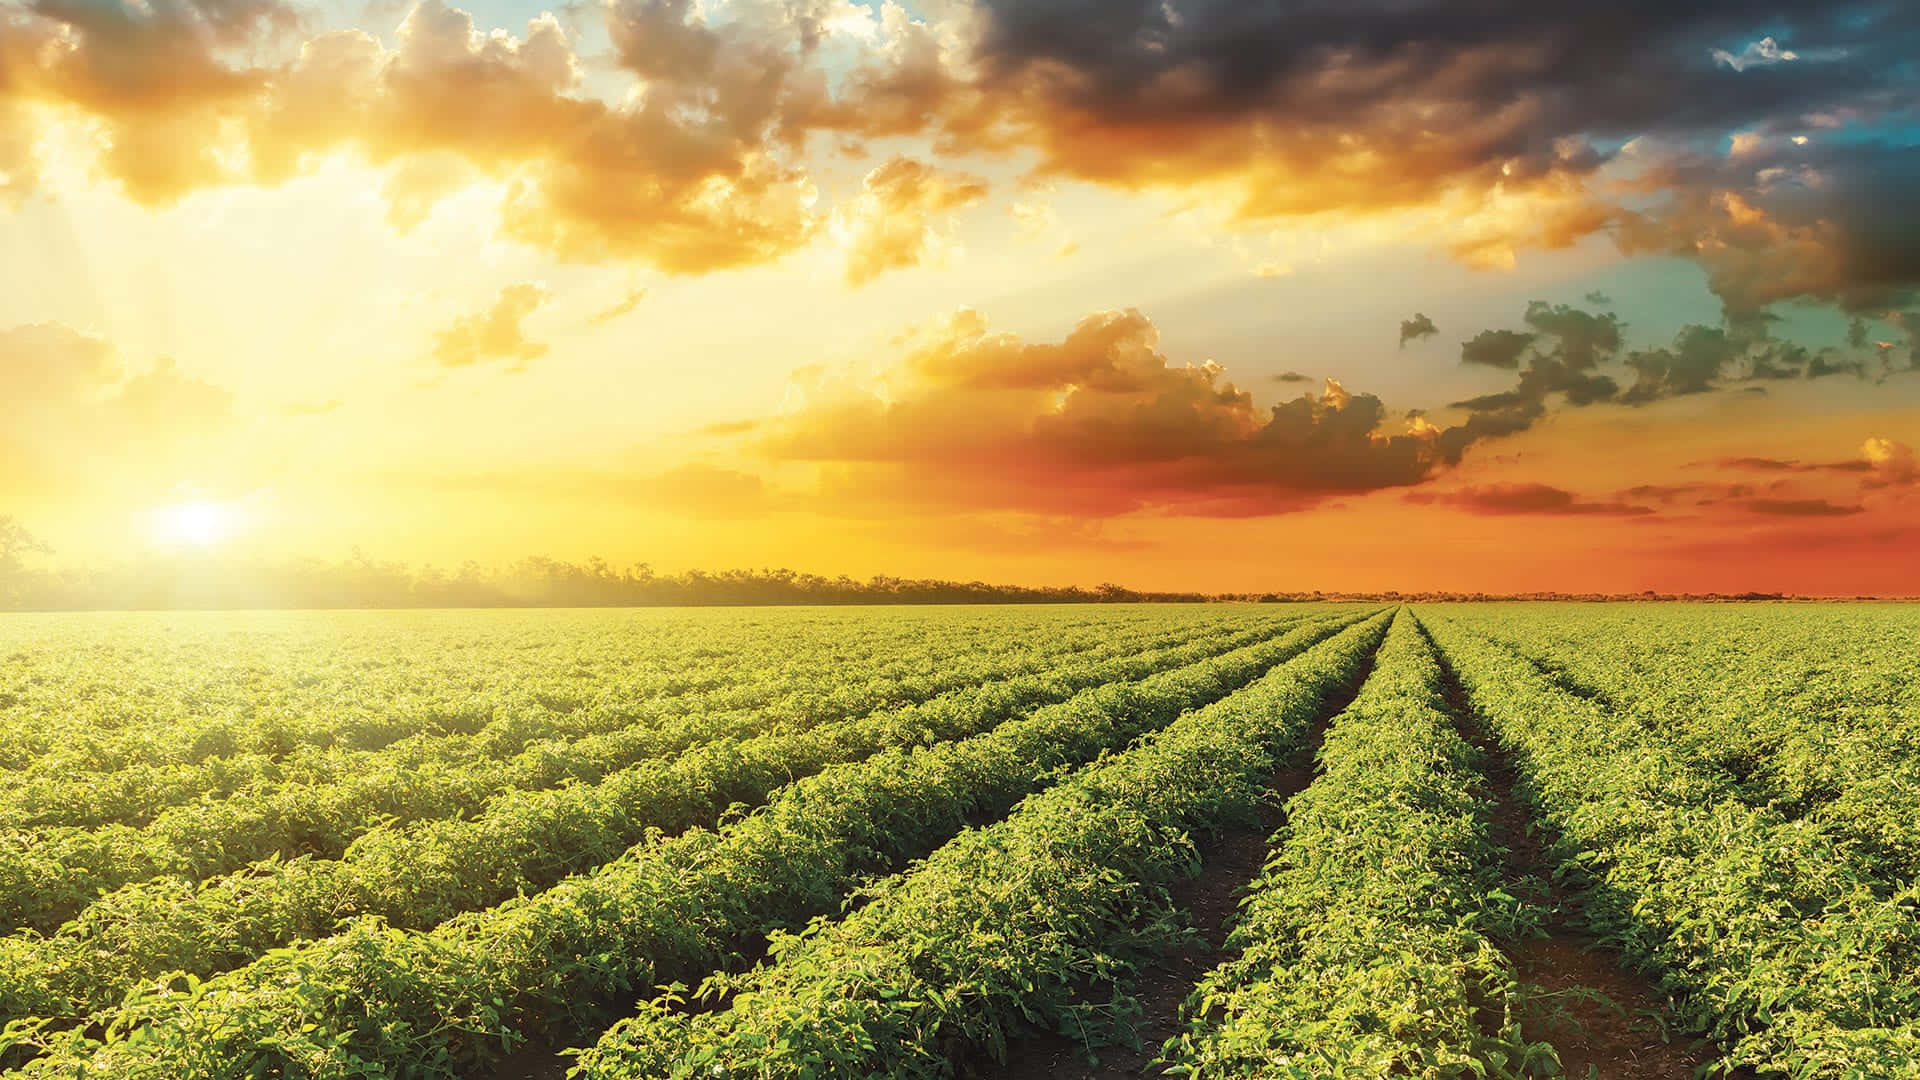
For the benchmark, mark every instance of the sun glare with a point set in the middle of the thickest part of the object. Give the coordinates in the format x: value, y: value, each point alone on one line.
x: 195, y: 523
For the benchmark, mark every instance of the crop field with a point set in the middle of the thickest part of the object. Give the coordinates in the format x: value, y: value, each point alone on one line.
x: 1209, y: 841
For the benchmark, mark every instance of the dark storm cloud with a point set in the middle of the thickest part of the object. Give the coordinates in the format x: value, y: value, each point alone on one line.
x: 1408, y: 101
x: 1415, y: 328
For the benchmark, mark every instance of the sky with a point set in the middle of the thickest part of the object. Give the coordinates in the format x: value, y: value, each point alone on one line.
x: 1196, y: 294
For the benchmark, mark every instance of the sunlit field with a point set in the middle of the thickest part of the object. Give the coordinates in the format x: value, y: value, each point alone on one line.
x: 1229, y: 840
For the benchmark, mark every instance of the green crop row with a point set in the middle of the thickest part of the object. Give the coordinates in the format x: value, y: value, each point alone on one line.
x: 1762, y: 925
x: 1824, y: 734
x: 201, y: 687
x: 751, y: 682
x: 793, y: 681
x: 1364, y: 947
x: 87, y: 695
x: 375, y: 1001
x: 1026, y: 922
x: 44, y: 884
x: 421, y: 874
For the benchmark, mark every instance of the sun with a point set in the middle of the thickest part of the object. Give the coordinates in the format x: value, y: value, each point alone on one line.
x: 194, y: 523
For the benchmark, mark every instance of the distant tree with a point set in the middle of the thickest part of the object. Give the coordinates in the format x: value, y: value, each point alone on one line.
x: 16, y: 544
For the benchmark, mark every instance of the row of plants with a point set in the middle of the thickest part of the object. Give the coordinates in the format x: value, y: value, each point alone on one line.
x: 1764, y: 927
x: 50, y: 878
x: 1827, y: 735
x: 419, y: 874
x: 791, y: 678
x: 1368, y: 946
x: 376, y: 1001
x: 128, y: 691
x: 1033, y: 922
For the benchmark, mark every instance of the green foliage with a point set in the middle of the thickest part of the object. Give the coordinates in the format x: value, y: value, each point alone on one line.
x: 374, y: 1000
x: 1026, y: 922
x: 820, y: 843
x: 1367, y: 947
x: 417, y: 875
x: 1778, y: 937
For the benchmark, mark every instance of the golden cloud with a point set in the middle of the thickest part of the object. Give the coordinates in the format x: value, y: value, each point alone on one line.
x: 895, y: 220
x: 495, y: 333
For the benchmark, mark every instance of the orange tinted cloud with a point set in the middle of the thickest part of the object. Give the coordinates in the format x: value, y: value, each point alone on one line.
x: 688, y: 175
x: 155, y: 76
x: 1802, y: 508
x: 1514, y: 499
x: 1509, y: 127
x: 496, y: 333
x: 1894, y: 463
x: 1100, y: 423
x: 895, y: 221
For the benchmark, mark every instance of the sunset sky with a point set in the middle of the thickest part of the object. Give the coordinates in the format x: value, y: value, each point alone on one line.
x: 1207, y: 294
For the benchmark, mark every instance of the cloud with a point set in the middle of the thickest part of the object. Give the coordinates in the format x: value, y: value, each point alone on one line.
x: 1518, y: 499
x: 706, y: 491
x: 1893, y: 462
x: 691, y: 176
x: 1698, y: 357
x: 1415, y: 328
x: 164, y: 400
x: 1496, y: 348
x: 1513, y: 125
x: 620, y: 307
x: 1836, y: 222
x: 1292, y: 377
x: 1036, y: 219
x: 1564, y: 353
x: 1509, y: 127
x: 155, y: 77
x: 896, y: 220
x: 1599, y: 299
x: 1786, y: 465
x: 1101, y: 423
x: 1581, y: 340
x: 1763, y: 53
x: 1698, y: 494
x: 71, y: 407
x: 52, y: 365
x: 1801, y: 508
x: 494, y: 334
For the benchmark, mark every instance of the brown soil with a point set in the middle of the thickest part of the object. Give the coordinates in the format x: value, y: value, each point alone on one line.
x: 1604, y: 1020
x: 534, y: 1061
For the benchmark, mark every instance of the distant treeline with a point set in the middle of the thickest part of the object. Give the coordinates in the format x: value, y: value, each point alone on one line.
x: 535, y: 582
x: 207, y: 581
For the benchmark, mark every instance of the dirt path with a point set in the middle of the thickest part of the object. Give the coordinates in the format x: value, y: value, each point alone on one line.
x: 1209, y: 902
x: 1620, y: 1038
